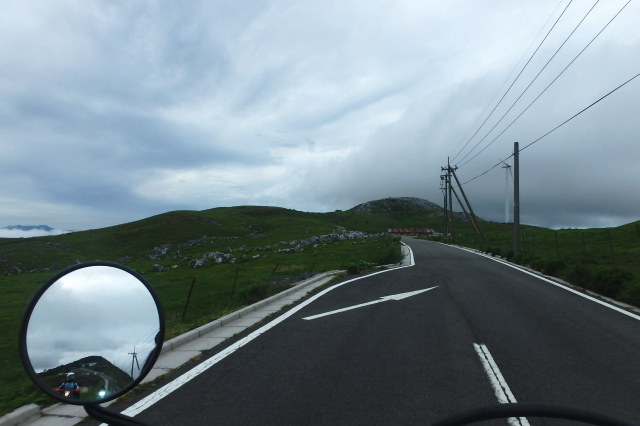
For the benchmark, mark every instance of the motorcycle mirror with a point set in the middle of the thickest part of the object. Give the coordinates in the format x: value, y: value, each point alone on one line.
x: 100, y: 321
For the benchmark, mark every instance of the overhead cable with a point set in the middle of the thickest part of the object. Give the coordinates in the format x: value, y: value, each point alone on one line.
x: 507, y: 79
x: 513, y: 82
x: 549, y: 85
x: 554, y: 129
x: 526, y: 88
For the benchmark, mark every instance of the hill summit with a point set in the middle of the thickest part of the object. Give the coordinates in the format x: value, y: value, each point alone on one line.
x: 399, y: 205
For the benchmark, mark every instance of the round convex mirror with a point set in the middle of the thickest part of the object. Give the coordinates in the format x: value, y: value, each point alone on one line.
x: 92, y: 333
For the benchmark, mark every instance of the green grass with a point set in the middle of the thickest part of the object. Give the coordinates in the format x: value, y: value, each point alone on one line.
x: 213, y: 295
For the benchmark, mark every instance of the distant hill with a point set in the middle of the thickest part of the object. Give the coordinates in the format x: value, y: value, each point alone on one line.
x: 400, y: 205
x: 405, y: 207
x: 29, y: 227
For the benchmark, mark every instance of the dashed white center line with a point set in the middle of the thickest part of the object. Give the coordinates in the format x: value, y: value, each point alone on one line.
x: 499, y: 385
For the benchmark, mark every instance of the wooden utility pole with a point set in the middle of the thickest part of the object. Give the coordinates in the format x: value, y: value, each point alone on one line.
x: 516, y: 198
x: 463, y: 209
x: 450, y: 201
x: 444, y: 178
x: 473, y: 215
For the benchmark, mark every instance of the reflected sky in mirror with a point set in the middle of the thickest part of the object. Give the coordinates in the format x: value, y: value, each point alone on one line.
x: 94, y: 311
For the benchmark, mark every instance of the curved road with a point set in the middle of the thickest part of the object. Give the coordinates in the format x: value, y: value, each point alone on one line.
x: 418, y: 359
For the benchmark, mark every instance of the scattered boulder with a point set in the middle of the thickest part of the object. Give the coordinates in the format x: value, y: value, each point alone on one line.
x: 162, y: 250
x: 196, y: 263
x: 156, y: 268
x: 55, y: 266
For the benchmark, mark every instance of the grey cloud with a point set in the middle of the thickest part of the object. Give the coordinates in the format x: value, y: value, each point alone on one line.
x: 97, y: 98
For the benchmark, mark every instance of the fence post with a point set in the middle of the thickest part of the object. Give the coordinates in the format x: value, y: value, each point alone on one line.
x: 557, y: 248
x: 188, y: 298
x: 233, y: 288
x: 613, y: 259
x: 274, y: 270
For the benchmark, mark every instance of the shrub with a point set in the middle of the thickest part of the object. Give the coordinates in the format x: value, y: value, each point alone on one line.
x: 522, y: 259
x: 553, y: 267
x: 537, y: 264
x: 390, y: 255
x: 254, y: 293
x: 611, y: 281
x: 579, y: 275
x: 630, y: 292
x: 355, y: 267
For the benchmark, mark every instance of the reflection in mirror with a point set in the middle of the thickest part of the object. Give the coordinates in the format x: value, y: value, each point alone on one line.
x: 92, y: 331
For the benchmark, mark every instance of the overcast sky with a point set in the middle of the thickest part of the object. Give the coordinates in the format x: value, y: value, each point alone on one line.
x: 112, y: 111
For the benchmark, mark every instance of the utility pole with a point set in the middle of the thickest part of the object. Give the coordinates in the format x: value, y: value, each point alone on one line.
x: 135, y: 358
x: 473, y: 215
x: 507, y: 168
x: 516, y: 198
x: 450, y: 200
x: 463, y: 209
x: 444, y: 180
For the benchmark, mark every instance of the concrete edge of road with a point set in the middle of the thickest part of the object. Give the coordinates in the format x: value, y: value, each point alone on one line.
x: 618, y: 306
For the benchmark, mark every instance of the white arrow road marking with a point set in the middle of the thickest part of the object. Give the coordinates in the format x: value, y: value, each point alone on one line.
x: 499, y: 385
x: 382, y: 299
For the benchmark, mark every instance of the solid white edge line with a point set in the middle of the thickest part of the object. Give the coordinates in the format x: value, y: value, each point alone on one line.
x: 156, y: 396
x: 498, y: 383
x: 410, y: 253
x: 593, y: 299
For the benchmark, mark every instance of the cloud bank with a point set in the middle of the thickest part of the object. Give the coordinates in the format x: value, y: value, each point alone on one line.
x: 115, y: 111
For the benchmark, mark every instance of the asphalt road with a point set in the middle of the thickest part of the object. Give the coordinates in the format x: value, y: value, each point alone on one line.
x: 412, y: 361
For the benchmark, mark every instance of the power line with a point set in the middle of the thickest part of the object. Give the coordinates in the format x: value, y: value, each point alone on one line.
x: 526, y: 88
x: 514, y: 81
x: 549, y: 85
x: 507, y: 79
x: 555, y: 128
